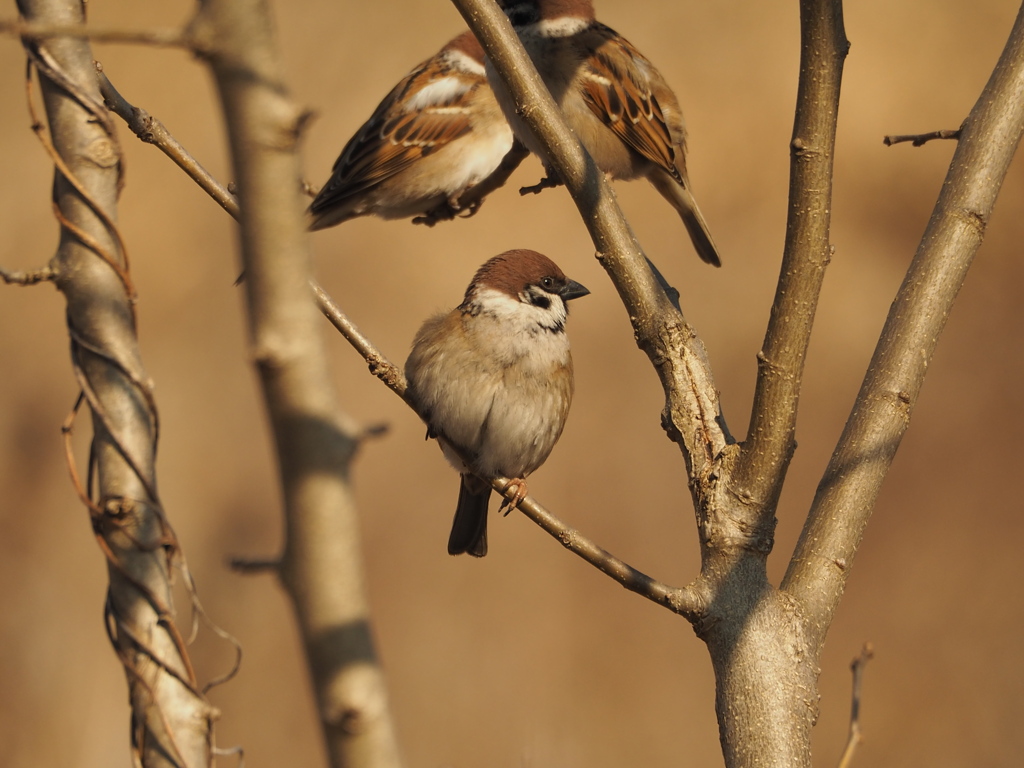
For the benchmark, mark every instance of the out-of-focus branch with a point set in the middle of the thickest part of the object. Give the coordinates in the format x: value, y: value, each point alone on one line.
x: 171, y: 720
x: 770, y: 442
x: 920, y: 139
x: 322, y: 566
x: 170, y: 38
x: 692, y: 416
x: 881, y: 413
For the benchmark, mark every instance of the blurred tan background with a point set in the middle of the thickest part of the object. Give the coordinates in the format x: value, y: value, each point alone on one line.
x: 530, y: 658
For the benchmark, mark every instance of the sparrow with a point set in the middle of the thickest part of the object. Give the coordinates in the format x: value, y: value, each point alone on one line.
x: 614, y: 99
x: 493, y: 380
x: 436, y: 135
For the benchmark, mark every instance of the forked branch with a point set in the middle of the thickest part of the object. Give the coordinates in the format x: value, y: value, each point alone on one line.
x: 881, y: 413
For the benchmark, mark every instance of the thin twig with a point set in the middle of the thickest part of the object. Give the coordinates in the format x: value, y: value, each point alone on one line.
x: 686, y: 601
x: 168, y: 38
x: 46, y: 274
x: 857, y: 667
x: 917, y: 139
x: 152, y: 131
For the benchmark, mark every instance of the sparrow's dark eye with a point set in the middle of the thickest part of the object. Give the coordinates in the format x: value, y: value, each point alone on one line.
x: 547, y: 283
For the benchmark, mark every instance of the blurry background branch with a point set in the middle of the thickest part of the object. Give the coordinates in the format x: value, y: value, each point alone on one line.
x: 171, y: 719
x: 322, y: 565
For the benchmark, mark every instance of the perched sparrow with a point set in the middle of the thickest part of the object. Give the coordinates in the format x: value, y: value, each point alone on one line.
x: 614, y: 99
x: 493, y: 379
x: 438, y: 134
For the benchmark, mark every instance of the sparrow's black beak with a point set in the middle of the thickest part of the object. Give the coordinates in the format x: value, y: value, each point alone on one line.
x: 572, y: 290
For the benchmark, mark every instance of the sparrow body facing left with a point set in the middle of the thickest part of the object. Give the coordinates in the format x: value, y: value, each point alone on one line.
x: 614, y: 99
x: 493, y: 379
x: 437, y: 134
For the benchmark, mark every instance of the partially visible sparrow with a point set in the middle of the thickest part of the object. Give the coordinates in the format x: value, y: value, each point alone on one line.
x: 614, y: 99
x: 438, y: 134
x: 493, y: 380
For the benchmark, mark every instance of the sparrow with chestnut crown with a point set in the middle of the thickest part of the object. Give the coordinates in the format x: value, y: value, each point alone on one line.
x: 614, y: 99
x: 493, y: 380
x: 438, y: 134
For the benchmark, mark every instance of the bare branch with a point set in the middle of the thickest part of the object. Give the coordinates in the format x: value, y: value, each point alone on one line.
x: 687, y: 601
x: 249, y: 566
x: 692, y: 415
x: 152, y: 131
x: 919, y: 139
x: 857, y: 667
x: 43, y: 275
x: 761, y: 469
x: 168, y: 38
x: 690, y: 602
x: 881, y: 414
x: 171, y: 720
x: 321, y: 567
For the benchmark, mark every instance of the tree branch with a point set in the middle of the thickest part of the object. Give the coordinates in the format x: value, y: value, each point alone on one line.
x: 321, y: 567
x: 853, y: 741
x: 168, y: 38
x: 881, y: 414
x: 770, y: 443
x: 692, y: 415
x: 920, y: 139
x: 687, y: 601
x: 171, y: 720
x: 150, y: 130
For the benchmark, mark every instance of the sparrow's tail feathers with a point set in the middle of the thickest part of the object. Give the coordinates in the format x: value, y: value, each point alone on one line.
x: 683, y: 201
x: 469, y: 529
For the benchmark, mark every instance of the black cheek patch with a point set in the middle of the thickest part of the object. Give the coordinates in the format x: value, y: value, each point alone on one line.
x: 540, y: 300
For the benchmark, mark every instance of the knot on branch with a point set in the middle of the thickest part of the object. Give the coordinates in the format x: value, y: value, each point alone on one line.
x: 103, y: 152
x: 799, y: 148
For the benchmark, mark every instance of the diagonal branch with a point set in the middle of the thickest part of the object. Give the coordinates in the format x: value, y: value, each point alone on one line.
x: 771, y: 437
x: 881, y: 414
x: 688, y: 601
x: 692, y: 415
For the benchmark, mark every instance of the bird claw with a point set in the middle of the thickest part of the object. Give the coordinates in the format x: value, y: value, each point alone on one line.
x: 550, y: 181
x: 521, y: 492
x: 448, y: 210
